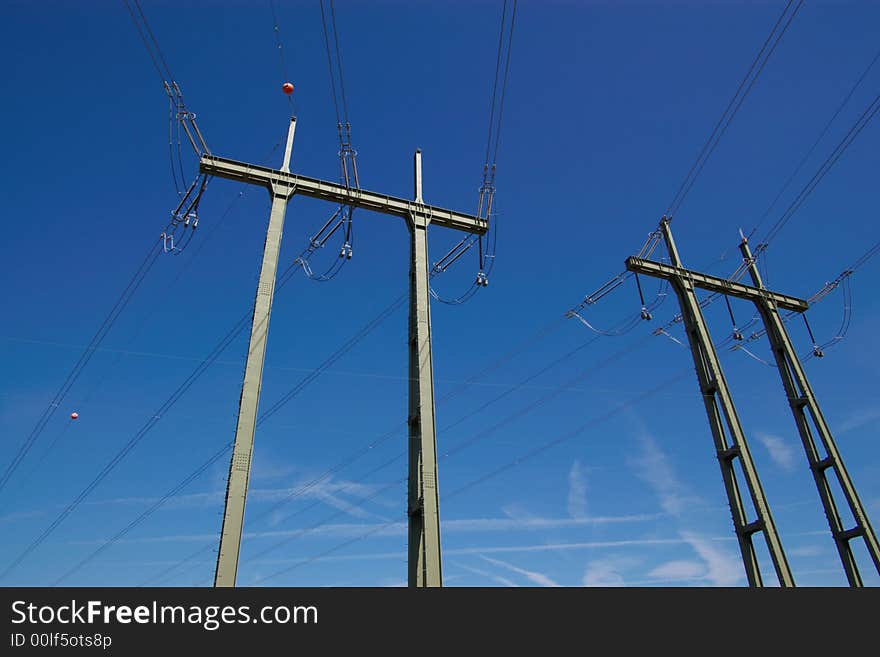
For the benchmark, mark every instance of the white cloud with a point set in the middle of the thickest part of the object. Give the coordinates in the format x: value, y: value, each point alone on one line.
x: 607, y: 572
x: 653, y: 466
x: 779, y: 449
x: 491, y: 576
x: 400, y: 528
x: 538, y: 578
x: 678, y: 571
x: 858, y: 420
x: 577, y: 491
x: 20, y: 515
x: 806, y: 551
x: 723, y: 568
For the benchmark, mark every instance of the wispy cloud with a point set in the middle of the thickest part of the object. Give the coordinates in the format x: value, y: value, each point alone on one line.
x: 723, y: 567
x: 780, y: 450
x: 806, y: 551
x: 19, y: 515
x: 678, y: 570
x: 653, y: 466
x: 608, y: 572
x: 490, y: 576
x: 858, y: 420
x: 327, y: 491
x: 538, y: 578
x: 464, y: 525
x: 577, y: 491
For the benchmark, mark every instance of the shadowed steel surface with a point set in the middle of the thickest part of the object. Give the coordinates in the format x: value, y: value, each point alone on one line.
x: 804, y: 407
x: 423, y: 498
x: 730, y: 444
x: 240, y: 465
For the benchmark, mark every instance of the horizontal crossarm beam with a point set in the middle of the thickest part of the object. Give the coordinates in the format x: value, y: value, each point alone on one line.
x: 321, y: 189
x: 714, y: 283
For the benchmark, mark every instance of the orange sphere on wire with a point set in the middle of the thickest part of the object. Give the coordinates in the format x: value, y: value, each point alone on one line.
x: 74, y: 415
x: 287, y: 87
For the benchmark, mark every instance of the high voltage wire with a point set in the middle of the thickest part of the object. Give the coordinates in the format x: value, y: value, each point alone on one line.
x: 457, y: 448
x: 471, y: 440
x: 164, y: 71
x: 742, y: 92
x: 165, y: 407
x: 487, y: 188
x: 833, y: 157
x: 169, y: 403
x: 276, y: 30
x: 94, y: 345
x: 540, y: 335
x: 816, y: 142
x: 507, y: 466
x: 141, y: 324
x: 485, y: 477
x: 151, y: 45
x: 120, y: 304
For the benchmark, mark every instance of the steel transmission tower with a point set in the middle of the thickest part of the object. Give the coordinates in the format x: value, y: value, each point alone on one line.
x: 804, y: 407
x: 423, y: 509
x: 732, y: 445
x: 730, y: 440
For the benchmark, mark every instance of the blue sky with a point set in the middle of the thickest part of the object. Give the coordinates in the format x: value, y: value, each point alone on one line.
x: 608, y: 104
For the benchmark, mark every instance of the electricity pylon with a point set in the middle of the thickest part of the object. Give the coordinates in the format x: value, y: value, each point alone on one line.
x: 804, y: 407
x: 801, y: 400
x: 423, y: 511
x: 730, y: 444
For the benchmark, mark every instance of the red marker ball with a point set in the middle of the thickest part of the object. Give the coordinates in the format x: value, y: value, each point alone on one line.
x: 74, y: 415
x: 287, y: 87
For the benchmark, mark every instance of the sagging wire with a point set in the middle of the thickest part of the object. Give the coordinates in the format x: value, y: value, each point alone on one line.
x: 185, y: 215
x: 485, y: 210
x: 844, y: 322
x: 341, y: 217
x: 739, y: 347
x: 180, y: 121
x: 347, y: 154
x: 647, y: 309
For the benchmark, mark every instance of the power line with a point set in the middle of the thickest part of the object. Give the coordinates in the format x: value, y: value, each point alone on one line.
x: 742, y: 92
x: 462, y: 445
x: 276, y: 30
x: 485, y: 477
x: 151, y: 422
x: 833, y: 157
x: 540, y: 335
x: 485, y: 203
x: 110, y: 319
x: 815, y: 144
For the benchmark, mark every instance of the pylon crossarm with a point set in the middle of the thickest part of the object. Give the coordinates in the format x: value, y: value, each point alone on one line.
x: 715, y: 283
x: 339, y: 194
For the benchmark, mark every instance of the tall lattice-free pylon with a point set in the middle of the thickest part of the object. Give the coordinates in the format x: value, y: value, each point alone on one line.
x: 805, y: 408
x: 424, y: 549
x: 730, y: 441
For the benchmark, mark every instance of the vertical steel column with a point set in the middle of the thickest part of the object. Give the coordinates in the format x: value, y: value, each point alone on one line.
x: 240, y: 465
x: 423, y: 505
x: 716, y: 393
x: 800, y: 397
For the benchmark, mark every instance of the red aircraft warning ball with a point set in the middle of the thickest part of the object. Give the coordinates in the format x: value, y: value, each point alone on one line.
x: 287, y: 87
x: 74, y: 415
